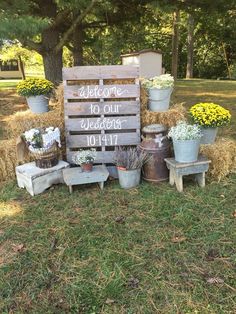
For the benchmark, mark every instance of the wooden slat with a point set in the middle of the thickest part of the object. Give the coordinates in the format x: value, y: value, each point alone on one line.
x: 102, y: 157
x: 101, y: 108
x: 103, y: 91
x: 99, y: 140
x: 100, y: 72
x: 107, y: 123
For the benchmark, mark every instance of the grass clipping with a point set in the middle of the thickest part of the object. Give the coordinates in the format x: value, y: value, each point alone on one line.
x: 168, y: 118
x: 223, y: 158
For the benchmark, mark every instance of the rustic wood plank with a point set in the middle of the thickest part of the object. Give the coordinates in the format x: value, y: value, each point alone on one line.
x: 100, y: 72
x: 99, y: 140
x: 102, y: 157
x: 101, y: 91
x: 101, y: 108
x: 107, y: 123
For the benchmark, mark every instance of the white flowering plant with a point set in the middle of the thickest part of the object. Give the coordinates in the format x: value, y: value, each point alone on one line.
x: 84, y: 156
x: 41, y: 138
x: 163, y: 81
x: 184, y: 131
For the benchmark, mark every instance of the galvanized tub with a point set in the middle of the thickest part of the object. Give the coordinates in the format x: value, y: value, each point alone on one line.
x: 38, y: 104
x: 159, y: 99
x: 129, y: 178
x: 186, y: 150
x: 208, y: 135
x: 157, y: 145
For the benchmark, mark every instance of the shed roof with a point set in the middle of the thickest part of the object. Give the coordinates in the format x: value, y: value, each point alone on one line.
x: 136, y: 53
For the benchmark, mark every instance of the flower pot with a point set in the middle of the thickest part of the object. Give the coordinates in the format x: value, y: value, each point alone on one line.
x: 208, y: 135
x: 186, y: 150
x: 129, y: 178
x: 38, y: 104
x: 87, y: 167
x: 159, y: 99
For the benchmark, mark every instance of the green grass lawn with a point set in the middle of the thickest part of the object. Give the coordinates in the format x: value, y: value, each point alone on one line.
x: 8, y: 84
x: 142, y: 251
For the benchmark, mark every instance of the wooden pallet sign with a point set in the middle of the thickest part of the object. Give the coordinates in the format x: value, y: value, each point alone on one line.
x: 102, y: 109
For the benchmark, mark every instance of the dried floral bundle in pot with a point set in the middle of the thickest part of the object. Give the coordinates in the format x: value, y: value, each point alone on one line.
x: 85, y: 158
x: 43, y: 144
x: 36, y: 91
x: 209, y: 116
x: 186, y: 141
x: 159, y: 89
x: 129, y: 162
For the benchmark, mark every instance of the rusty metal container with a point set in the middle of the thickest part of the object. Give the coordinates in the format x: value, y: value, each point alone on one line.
x: 155, y: 143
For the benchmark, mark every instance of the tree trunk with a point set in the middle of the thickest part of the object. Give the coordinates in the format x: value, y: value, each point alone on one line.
x: 77, y: 50
x: 175, y: 43
x: 226, y: 61
x: 21, y: 67
x: 190, y: 48
x: 52, y: 60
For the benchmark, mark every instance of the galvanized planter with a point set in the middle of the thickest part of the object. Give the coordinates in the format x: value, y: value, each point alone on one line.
x: 159, y: 99
x: 129, y: 178
x: 209, y: 135
x: 38, y: 104
x: 186, y: 150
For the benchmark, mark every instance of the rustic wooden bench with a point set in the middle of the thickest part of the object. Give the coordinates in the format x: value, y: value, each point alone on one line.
x: 37, y: 180
x: 75, y: 176
x: 179, y: 169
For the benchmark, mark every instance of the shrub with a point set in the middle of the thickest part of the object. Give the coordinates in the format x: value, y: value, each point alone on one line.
x: 210, y: 115
x: 34, y: 87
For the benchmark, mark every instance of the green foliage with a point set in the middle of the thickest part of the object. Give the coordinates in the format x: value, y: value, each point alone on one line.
x: 34, y: 87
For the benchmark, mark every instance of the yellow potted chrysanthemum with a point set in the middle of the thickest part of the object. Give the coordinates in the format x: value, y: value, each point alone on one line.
x: 209, y: 116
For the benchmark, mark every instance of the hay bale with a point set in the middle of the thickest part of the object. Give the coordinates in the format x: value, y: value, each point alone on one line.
x: 25, y: 120
x: 169, y: 118
x: 223, y: 158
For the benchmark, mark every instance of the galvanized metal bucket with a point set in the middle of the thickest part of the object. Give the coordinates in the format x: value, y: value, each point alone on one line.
x: 208, y: 135
x: 186, y: 150
x: 159, y: 99
x: 129, y: 178
x: 38, y: 104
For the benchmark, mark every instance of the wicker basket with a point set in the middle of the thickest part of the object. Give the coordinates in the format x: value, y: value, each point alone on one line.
x: 45, y: 158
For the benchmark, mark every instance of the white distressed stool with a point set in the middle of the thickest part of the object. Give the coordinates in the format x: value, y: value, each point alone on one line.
x: 75, y: 176
x: 179, y: 169
x: 37, y: 180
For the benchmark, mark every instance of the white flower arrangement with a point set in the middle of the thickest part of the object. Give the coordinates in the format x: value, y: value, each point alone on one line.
x: 184, y: 131
x: 40, y: 140
x: 160, y: 82
x: 86, y: 156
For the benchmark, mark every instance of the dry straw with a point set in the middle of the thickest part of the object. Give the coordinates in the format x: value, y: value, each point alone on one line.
x: 223, y: 158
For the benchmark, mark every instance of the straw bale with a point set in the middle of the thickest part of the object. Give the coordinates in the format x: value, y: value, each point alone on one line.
x: 223, y: 158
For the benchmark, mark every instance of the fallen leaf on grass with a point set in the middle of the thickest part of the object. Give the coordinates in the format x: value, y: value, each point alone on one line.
x: 178, y: 239
x: 18, y: 248
x: 109, y: 301
x: 214, y: 280
x: 212, y: 254
x: 133, y: 283
x: 120, y: 219
x: 78, y: 209
x: 234, y: 214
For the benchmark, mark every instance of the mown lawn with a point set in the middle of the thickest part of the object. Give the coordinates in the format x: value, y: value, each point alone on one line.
x: 147, y: 250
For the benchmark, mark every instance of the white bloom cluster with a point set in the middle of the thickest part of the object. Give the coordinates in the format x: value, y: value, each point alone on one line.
x: 84, y: 156
x: 30, y: 135
x: 160, y: 82
x: 184, y: 131
x: 42, y: 138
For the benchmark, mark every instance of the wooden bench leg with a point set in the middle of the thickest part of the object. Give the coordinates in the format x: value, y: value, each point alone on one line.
x: 70, y: 189
x: 200, y: 177
x: 101, y: 184
x: 179, y: 182
x: 171, y: 177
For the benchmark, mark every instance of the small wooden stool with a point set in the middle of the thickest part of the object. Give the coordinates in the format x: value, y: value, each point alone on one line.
x: 179, y: 169
x: 74, y: 176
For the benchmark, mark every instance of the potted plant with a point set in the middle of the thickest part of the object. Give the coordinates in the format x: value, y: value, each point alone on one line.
x: 209, y: 116
x: 85, y: 158
x: 159, y: 89
x: 43, y: 144
x: 129, y: 163
x: 186, y: 141
x: 36, y: 91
